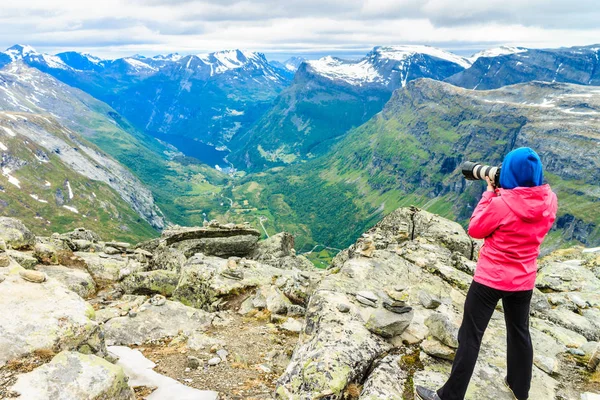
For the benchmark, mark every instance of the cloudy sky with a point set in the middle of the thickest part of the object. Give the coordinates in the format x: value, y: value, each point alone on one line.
x: 279, y: 28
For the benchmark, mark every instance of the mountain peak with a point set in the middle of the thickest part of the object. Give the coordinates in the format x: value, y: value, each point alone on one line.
x: 498, y: 51
x: 401, y: 52
x: 20, y: 51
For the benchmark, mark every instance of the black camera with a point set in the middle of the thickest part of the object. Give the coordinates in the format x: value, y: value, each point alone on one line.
x: 474, y: 171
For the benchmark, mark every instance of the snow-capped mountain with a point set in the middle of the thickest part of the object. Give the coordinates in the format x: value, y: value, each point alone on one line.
x: 207, y: 97
x: 291, y: 64
x: 330, y: 96
x: 390, y: 66
x: 511, y: 65
x: 496, y: 52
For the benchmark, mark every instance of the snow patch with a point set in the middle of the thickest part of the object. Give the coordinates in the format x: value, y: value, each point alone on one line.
x: 36, y: 197
x: 497, y: 51
x: 140, y: 372
x: 48, y: 184
x: 400, y: 53
x: 138, y: 65
x: 11, y: 179
x: 9, y: 131
x: 70, y: 191
x: 3, y: 147
x: 72, y: 209
x: 54, y: 62
x: 351, y: 72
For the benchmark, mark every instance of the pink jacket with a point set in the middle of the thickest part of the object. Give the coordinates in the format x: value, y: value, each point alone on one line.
x: 514, y: 223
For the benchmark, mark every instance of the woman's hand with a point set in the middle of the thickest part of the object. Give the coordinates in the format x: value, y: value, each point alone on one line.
x: 490, y: 187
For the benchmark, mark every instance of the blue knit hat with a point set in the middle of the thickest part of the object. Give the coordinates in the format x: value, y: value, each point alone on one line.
x: 522, y: 167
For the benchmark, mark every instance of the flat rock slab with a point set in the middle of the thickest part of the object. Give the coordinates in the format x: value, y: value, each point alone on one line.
x: 77, y: 280
x: 155, y: 323
x: 140, y: 372
x: 172, y: 236
x: 75, y: 376
x: 41, y: 316
x: 107, y: 268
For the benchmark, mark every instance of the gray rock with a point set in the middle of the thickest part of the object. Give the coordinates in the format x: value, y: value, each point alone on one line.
x: 121, y: 246
x: 4, y: 260
x: 594, y: 362
x: 398, y: 307
x: 151, y: 282
x: 112, y: 250
x: 201, y: 283
x: 388, y: 324
x: 75, y: 376
x: 215, y: 241
x: 25, y: 260
x: 440, y: 230
x: 41, y: 316
x: 386, y: 381
x: 33, y: 276
x: 81, y: 244
x: 428, y: 301
x: 76, y: 280
x: 158, y: 300
x: 222, y: 353
x: 443, y: 329
x: 193, y: 362
x: 45, y: 252
x: 367, y: 295
x: 82, y: 234
x: 343, y: 308
x: 292, y: 325
x: 15, y: 235
x: 107, y: 269
x: 201, y: 341
x: 366, y: 302
x: 153, y: 324
x: 2, y: 245
x: 2, y: 278
x: 277, y: 246
x: 214, y: 361
x: 168, y: 259
x: 438, y: 350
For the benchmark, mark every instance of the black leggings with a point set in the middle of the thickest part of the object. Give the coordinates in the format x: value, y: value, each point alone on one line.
x: 479, y: 307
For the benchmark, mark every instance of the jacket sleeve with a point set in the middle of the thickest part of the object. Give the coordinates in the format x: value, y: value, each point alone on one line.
x: 486, y: 217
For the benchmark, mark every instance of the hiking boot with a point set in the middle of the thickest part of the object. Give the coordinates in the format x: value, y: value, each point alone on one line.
x: 426, y: 394
x: 510, y: 389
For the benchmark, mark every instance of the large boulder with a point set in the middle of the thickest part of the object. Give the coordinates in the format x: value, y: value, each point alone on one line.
x: 44, y: 316
x: 154, y: 322
x: 151, y: 282
x: 107, y: 269
x: 216, y: 240
x: 205, y: 280
x: 15, y: 235
x: 167, y: 258
x: 275, y: 247
x: 77, y: 280
x: 75, y: 376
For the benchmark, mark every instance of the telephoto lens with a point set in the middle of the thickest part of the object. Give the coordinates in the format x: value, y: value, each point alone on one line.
x: 475, y: 171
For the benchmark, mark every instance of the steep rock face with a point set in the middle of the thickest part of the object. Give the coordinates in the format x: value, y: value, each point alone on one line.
x: 39, y: 144
x: 398, y: 261
x: 495, y: 69
x: 329, y: 96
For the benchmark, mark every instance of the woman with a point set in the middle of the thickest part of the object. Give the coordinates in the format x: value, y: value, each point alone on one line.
x: 514, y: 220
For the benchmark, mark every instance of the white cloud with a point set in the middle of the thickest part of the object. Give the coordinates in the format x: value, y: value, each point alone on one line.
x: 121, y: 27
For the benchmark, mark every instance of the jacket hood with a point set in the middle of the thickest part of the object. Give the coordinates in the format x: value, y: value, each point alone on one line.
x: 530, y: 204
x: 521, y: 167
